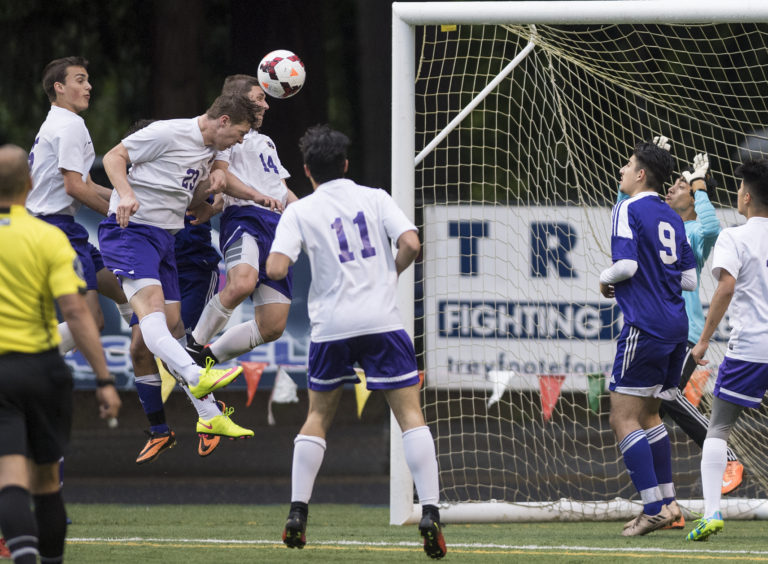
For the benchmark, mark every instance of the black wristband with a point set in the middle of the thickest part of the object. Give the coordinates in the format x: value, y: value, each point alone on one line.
x: 102, y: 383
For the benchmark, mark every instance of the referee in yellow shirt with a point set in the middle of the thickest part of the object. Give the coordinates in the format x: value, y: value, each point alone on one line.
x: 38, y: 266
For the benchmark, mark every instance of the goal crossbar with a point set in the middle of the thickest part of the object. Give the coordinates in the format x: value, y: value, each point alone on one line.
x: 581, y: 12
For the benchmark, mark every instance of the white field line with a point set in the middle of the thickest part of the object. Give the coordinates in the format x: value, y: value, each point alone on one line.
x: 531, y: 547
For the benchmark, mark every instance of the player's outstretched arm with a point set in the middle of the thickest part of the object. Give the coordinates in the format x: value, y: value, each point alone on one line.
x: 116, y: 163
x: 408, y: 247
x: 75, y: 312
x: 87, y: 193
x: 721, y: 299
x: 239, y: 189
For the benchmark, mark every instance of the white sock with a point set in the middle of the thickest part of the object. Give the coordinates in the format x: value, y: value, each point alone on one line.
x: 67, y: 340
x: 237, y: 340
x: 212, y: 320
x: 422, y: 462
x: 308, y: 452
x: 149, y: 380
x: 713, y: 463
x: 163, y: 345
x: 207, y: 407
x: 126, y: 312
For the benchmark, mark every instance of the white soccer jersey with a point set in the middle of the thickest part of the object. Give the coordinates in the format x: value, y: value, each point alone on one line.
x: 256, y: 163
x: 743, y: 252
x: 63, y: 142
x: 346, y: 230
x: 168, y: 160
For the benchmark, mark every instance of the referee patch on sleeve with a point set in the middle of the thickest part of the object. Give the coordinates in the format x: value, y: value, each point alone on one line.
x: 78, y: 268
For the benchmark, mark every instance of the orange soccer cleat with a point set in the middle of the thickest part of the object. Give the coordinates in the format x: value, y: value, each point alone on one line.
x: 734, y: 474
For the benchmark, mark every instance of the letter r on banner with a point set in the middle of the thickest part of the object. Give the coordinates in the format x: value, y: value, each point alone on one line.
x: 550, y: 244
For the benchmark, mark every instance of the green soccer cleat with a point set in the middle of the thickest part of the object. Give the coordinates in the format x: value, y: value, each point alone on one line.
x: 223, y: 426
x: 705, y: 527
x: 211, y: 379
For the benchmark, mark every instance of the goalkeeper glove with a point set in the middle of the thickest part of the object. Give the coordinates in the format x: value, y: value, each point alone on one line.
x: 700, y: 169
x: 662, y: 142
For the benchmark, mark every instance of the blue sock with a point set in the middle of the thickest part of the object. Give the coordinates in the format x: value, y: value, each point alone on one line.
x: 151, y: 399
x: 661, y: 449
x: 639, y: 461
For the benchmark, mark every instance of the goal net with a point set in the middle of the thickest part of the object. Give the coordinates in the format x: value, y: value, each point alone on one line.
x: 507, y: 142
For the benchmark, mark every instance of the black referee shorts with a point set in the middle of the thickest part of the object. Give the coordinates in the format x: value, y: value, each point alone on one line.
x: 35, y: 405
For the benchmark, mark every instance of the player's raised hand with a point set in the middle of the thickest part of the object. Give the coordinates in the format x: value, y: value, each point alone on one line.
x: 700, y: 168
x: 662, y: 142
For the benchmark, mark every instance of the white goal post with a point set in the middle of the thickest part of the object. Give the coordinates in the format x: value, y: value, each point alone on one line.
x: 490, y: 105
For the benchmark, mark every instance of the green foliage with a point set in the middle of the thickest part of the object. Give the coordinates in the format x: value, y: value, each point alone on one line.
x: 112, y: 35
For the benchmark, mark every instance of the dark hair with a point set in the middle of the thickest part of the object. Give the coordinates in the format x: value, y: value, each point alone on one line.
x: 138, y: 125
x: 325, y: 152
x: 657, y: 163
x: 238, y: 107
x: 239, y: 84
x: 14, y: 171
x: 56, y: 71
x: 755, y: 176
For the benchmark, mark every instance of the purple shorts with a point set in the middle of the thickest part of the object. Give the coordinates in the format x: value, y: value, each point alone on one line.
x: 646, y: 366
x: 140, y: 251
x: 388, y: 359
x: 742, y: 382
x: 260, y: 224
x: 78, y: 238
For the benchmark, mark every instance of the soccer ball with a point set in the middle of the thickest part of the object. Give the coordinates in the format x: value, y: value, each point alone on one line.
x: 281, y: 74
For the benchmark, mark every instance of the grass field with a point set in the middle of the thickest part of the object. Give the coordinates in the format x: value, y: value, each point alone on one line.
x: 196, y: 534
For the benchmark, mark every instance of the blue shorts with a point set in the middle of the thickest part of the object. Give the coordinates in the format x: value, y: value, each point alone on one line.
x: 742, y: 382
x: 261, y: 225
x: 78, y: 238
x: 646, y: 366
x: 197, y: 286
x: 388, y: 359
x: 140, y: 251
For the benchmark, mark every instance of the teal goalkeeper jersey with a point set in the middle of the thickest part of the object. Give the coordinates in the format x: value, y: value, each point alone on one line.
x: 702, y: 234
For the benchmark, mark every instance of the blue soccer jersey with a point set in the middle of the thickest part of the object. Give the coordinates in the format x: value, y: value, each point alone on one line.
x: 194, y: 247
x: 645, y: 229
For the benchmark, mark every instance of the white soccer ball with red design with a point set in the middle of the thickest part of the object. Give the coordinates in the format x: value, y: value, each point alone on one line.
x: 281, y: 73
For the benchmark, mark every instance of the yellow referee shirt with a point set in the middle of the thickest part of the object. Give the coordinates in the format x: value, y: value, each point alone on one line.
x: 37, y: 265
